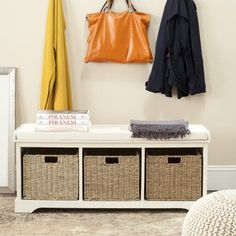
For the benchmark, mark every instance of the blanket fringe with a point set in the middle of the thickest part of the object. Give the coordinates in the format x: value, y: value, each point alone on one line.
x: 159, y: 132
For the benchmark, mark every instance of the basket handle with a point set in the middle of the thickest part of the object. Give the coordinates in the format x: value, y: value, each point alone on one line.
x: 51, y: 159
x: 112, y: 160
x: 174, y: 160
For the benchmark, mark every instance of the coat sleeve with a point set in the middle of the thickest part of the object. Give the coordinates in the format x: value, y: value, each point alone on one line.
x: 197, y: 80
x: 177, y: 43
x: 158, y: 79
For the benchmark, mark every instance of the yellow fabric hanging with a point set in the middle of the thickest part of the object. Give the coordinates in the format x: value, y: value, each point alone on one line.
x: 55, y: 91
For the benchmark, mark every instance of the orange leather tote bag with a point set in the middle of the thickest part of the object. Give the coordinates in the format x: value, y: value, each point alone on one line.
x: 118, y: 37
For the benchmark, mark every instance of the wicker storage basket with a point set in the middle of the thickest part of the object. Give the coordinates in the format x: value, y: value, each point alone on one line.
x: 111, y: 175
x: 175, y: 175
x: 51, y: 174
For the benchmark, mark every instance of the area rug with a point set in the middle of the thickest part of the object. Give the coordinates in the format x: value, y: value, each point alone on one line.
x: 66, y: 222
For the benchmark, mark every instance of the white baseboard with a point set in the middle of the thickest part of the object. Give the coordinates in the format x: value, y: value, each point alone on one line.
x: 221, y: 177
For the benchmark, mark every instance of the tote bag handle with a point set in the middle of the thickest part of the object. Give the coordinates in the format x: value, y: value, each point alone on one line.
x: 109, y: 3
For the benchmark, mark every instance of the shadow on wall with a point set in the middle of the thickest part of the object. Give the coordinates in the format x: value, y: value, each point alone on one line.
x: 159, y: 107
x: 115, y: 91
x: 19, y: 96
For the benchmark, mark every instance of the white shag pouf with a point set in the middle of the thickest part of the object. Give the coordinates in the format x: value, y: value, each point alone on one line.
x: 212, y: 215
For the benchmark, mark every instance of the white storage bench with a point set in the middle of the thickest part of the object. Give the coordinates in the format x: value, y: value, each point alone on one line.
x: 125, y: 178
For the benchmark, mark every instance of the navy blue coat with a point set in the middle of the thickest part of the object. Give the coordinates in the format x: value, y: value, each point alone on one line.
x: 178, y: 60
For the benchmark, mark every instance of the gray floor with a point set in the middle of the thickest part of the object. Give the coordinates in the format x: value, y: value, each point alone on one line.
x: 87, y: 222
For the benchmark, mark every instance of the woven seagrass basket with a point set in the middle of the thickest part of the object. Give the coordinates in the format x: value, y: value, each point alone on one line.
x: 174, y: 175
x: 111, y: 175
x: 51, y: 174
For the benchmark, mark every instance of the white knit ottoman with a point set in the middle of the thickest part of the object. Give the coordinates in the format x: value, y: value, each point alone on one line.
x: 212, y: 215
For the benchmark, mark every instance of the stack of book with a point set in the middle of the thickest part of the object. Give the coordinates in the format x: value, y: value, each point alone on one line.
x: 63, y: 121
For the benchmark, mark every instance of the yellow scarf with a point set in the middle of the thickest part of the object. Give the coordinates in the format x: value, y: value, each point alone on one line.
x: 55, y: 91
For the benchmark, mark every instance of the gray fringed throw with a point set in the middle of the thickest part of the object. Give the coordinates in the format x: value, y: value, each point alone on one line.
x: 159, y: 129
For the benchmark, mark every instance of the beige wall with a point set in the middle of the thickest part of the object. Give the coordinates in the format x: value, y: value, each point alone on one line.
x: 115, y: 93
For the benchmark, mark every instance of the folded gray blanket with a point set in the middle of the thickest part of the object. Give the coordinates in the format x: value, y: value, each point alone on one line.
x: 159, y: 129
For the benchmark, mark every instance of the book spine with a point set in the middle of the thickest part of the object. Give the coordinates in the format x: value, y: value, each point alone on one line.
x: 48, y: 112
x: 62, y: 128
x: 63, y: 117
x: 62, y: 122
